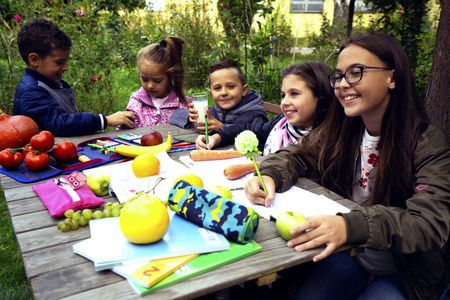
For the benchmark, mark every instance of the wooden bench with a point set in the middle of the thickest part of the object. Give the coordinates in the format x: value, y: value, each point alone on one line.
x: 272, y: 108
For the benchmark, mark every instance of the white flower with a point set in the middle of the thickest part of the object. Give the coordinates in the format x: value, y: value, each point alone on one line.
x: 246, y: 142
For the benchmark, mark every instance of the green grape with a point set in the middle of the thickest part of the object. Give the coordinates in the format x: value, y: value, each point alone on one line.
x: 87, y: 213
x: 97, y: 214
x: 106, y: 213
x: 76, y: 216
x: 116, y: 205
x: 68, y: 221
x: 65, y: 227
x: 83, y: 221
x: 60, y: 224
x: 108, y: 205
x: 68, y: 213
x: 75, y: 225
x: 115, y: 212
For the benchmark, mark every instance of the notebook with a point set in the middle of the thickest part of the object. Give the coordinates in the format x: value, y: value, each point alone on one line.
x: 203, y: 263
x: 108, y: 248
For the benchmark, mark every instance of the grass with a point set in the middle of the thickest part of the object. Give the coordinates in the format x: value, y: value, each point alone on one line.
x: 13, y: 280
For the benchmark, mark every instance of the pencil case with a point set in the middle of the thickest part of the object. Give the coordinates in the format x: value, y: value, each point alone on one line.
x: 59, y: 195
x: 237, y: 222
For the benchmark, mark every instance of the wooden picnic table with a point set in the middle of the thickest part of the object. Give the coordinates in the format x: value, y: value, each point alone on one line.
x: 55, y: 272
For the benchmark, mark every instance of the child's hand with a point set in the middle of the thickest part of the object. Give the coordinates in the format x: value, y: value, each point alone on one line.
x: 121, y: 118
x: 193, y: 113
x: 213, y: 140
x: 213, y: 123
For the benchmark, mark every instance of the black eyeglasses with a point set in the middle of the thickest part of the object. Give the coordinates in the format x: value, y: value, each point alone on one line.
x: 352, y: 75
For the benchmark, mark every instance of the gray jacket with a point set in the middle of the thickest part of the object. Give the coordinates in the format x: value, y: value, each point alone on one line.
x: 418, y: 235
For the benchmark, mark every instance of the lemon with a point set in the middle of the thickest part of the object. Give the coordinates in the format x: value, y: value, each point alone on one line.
x: 144, y: 220
x: 191, y: 179
x: 145, y: 165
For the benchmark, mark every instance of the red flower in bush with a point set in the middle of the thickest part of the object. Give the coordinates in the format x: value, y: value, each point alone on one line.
x: 93, y: 79
x: 221, y: 4
x: 401, y: 11
x: 99, y: 77
x: 17, y: 18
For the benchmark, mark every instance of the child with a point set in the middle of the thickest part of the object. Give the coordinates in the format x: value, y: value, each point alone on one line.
x: 162, y: 75
x: 377, y: 148
x: 306, y: 97
x: 42, y: 94
x: 235, y: 104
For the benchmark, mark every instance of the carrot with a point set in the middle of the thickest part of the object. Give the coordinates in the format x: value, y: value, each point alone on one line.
x: 237, y: 171
x: 199, y: 155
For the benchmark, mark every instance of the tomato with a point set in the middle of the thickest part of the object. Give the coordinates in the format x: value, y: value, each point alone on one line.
x: 26, y: 152
x: 36, y: 161
x: 43, y: 141
x: 10, y: 159
x: 65, y: 151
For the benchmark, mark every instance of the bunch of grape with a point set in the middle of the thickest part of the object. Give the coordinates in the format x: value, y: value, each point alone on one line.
x: 75, y: 219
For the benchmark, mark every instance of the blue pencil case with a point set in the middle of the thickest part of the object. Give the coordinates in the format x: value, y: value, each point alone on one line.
x: 97, y: 157
x: 237, y: 222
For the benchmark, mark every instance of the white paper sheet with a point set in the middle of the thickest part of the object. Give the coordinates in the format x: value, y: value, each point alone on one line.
x: 294, y: 199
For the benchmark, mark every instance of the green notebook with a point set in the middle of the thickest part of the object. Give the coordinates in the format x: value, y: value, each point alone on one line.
x: 201, y: 264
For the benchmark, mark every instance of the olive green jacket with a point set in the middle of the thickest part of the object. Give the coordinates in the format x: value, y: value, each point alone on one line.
x: 418, y: 235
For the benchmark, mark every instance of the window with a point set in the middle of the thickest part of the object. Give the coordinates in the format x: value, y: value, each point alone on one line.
x: 307, y: 6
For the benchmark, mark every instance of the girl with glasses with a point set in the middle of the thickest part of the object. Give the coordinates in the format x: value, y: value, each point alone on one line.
x: 377, y: 148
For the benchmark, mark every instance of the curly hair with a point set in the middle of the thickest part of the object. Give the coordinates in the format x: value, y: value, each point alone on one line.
x: 41, y: 36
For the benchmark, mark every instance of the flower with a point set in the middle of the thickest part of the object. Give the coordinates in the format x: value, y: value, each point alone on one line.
x: 93, y: 79
x: 246, y: 143
x: 79, y: 12
x: 99, y: 77
x: 17, y: 18
x: 401, y: 11
x: 221, y: 4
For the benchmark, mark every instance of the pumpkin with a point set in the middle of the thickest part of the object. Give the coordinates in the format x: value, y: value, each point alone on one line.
x: 16, y: 131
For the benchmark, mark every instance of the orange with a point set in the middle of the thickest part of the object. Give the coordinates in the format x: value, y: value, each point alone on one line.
x: 144, y: 220
x: 145, y: 165
x: 191, y: 179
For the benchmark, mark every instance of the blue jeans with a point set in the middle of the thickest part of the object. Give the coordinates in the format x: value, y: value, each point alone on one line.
x: 340, y: 276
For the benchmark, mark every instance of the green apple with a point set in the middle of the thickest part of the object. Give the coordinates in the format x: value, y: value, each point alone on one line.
x: 221, y: 191
x: 286, y: 221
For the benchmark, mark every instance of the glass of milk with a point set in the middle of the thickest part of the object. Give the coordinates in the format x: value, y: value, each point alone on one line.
x: 200, y: 101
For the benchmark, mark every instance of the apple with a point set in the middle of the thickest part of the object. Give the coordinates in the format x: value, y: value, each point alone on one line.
x: 221, y: 191
x: 152, y: 138
x: 286, y: 221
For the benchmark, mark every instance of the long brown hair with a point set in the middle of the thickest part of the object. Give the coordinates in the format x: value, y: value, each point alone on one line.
x: 315, y: 75
x: 339, y: 135
x: 167, y: 52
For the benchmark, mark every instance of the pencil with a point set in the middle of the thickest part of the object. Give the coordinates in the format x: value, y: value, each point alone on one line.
x: 181, y: 140
x: 206, y: 129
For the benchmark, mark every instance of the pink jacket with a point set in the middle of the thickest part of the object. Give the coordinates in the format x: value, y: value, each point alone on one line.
x: 147, y: 114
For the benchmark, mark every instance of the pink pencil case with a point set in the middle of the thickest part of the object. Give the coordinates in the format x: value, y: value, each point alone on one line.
x: 59, y: 196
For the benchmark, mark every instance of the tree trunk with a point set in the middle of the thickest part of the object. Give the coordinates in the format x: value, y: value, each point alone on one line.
x: 351, y: 11
x: 438, y: 91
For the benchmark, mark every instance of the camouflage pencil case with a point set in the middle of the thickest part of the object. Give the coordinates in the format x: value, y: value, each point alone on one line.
x: 237, y: 222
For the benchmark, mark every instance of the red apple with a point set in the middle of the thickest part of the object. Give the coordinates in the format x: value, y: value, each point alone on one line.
x: 152, y: 138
